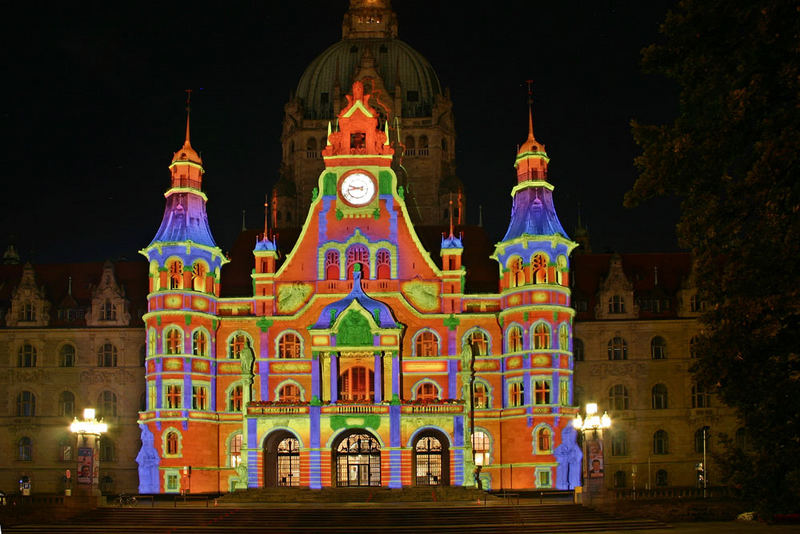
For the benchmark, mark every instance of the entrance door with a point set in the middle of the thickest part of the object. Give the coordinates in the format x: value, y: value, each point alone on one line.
x: 281, y: 459
x: 429, y: 462
x: 358, y: 461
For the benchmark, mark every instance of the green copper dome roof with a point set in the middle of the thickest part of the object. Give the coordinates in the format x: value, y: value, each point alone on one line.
x: 393, y: 58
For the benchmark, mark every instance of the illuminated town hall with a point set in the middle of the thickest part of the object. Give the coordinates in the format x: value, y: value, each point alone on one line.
x: 366, y: 335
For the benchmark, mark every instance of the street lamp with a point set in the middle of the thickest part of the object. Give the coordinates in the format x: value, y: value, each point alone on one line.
x: 89, y: 431
x: 593, y: 451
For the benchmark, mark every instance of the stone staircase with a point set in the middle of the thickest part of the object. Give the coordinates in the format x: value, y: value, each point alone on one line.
x: 445, y: 518
x: 356, y: 495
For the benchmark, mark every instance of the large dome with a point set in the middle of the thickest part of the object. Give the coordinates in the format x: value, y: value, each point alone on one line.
x: 393, y: 58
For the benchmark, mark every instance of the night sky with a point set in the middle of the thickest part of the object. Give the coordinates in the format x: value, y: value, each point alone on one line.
x: 93, y: 110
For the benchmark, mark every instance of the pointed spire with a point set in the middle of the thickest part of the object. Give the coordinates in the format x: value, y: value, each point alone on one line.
x: 243, y: 225
x: 451, y: 214
x: 266, y: 216
x: 188, y: 113
x: 480, y: 215
x: 69, y: 286
x: 532, y: 158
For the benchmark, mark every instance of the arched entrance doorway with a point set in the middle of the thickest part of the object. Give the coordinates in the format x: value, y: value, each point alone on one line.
x: 281, y: 460
x: 357, y: 459
x: 431, y: 459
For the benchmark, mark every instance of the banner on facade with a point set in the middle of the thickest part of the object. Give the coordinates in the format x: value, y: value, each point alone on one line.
x: 85, y: 465
x: 595, y: 461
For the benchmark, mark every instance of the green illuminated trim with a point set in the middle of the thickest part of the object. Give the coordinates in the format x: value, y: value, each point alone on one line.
x: 358, y: 105
x: 186, y: 190
x: 531, y: 154
x: 358, y: 156
x: 530, y: 183
x: 186, y: 162
x: 214, y: 251
x: 526, y: 239
x: 539, y: 307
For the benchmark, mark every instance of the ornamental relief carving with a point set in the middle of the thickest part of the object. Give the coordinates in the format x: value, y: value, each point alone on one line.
x: 25, y: 425
x: 616, y: 369
x: 23, y: 376
x: 97, y: 376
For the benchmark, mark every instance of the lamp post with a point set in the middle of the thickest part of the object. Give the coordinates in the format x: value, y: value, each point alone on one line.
x: 88, y: 432
x: 592, y: 452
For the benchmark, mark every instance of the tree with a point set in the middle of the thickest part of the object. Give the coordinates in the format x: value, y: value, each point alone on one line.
x: 731, y: 155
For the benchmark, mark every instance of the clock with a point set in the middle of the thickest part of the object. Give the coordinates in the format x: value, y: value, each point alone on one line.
x: 357, y: 189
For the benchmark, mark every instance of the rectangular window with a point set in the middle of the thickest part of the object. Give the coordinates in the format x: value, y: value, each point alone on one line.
x: 151, y: 397
x: 173, y: 397
x: 543, y: 478
x: 199, y: 398
x: 516, y: 394
x: 172, y: 482
x: 541, y: 391
x: 563, y: 392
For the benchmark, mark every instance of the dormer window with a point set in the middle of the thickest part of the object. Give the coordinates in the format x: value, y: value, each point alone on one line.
x: 108, y: 312
x: 27, y: 312
x: 616, y: 304
x: 357, y: 140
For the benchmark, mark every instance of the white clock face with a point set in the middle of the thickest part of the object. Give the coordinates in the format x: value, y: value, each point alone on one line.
x: 357, y: 189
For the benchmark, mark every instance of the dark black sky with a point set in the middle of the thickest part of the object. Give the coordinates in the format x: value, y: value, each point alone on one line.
x: 93, y: 109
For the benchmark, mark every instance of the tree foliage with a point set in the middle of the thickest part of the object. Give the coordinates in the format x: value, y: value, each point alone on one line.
x: 731, y: 155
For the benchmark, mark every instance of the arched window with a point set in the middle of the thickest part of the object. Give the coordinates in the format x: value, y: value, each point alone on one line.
x: 66, y: 355
x: 175, y: 268
x: 426, y: 344
x: 659, y: 397
x: 700, y: 397
x: 236, y: 399
x: 740, y: 439
x: 660, y: 442
x: 544, y: 440
x: 289, y: 393
x: 107, y: 355
x: 618, y: 397
x: 65, y: 450
x: 108, y: 452
x: 410, y: 142
x: 236, y: 344
x: 26, y: 404
x: 25, y: 449
x: 332, y: 265
x: 478, y: 342
x: 428, y: 456
x: 661, y: 478
x: 541, y: 336
x: 563, y: 337
x: 357, y: 384
x: 616, y: 304
x: 617, y: 349
x: 235, y: 450
x: 173, y: 340
x: 693, y: 344
x: 358, y: 254
x: 107, y: 404
x: 383, y: 266
x: 172, y: 443
x: 516, y: 273
x: 541, y: 391
x: 26, y: 356
x: 561, y: 270
x: 288, y: 456
x: 358, y: 460
x: 619, y: 479
x: 423, y: 141
x: 199, y: 273
x: 658, y: 348
x: 701, y: 440
x: 481, y: 446
x: 480, y: 399
x: 514, y: 339
x: 619, y: 444
x: 577, y: 349
x: 311, y: 144
x: 66, y: 404
x: 199, y: 343
x: 290, y: 346
x: 427, y: 391
x: 539, y: 269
